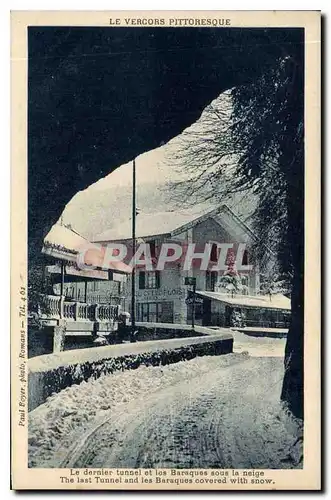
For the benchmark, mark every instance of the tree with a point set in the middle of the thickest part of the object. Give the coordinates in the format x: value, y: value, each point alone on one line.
x: 272, y: 282
x: 230, y: 280
x: 273, y: 155
x: 251, y: 141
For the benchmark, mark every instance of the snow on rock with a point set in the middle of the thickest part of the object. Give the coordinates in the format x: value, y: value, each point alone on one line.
x: 52, y: 361
x: 54, y: 372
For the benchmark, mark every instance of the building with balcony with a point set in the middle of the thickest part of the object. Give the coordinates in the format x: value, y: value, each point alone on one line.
x: 76, y: 300
x: 161, y: 296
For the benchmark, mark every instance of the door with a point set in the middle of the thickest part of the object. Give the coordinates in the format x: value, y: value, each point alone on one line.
x: 228, y: 311
x: 206, y: 312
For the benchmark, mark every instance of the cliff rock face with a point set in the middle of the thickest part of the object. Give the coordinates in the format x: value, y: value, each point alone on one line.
x: 98, y: 97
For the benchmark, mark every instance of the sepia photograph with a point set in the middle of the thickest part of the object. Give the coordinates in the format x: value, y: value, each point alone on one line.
x: 162, y: 293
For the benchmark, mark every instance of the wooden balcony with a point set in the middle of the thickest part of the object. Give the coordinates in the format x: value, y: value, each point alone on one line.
x: 63, y: 323
x: 54, y: 307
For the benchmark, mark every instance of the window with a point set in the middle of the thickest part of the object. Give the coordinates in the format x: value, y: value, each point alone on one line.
x: 149, y: 279
x: 152, y: 247
x: 198, y: 312
x: 142, y: 312
x: 245, y: 258
x: 155, y: 312
x: 211, y: 280
x: 214, y: 252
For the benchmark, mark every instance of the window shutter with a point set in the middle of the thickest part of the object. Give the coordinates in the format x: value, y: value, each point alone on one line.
x: 157, y: 279
x: 142, y: 280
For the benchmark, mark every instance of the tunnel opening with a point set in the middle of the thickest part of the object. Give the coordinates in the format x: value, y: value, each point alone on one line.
x: 99, y: 97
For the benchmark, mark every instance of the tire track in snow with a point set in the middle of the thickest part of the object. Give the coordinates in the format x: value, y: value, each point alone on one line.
x: 225, y: 419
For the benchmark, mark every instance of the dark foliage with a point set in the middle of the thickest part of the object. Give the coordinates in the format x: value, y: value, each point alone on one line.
x: 258, y: 148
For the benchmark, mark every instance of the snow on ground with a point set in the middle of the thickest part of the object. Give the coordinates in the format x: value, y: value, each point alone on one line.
x: 71, y: 409
x: 258, y: 346
x: 230, y: 417
x: 65, y: 416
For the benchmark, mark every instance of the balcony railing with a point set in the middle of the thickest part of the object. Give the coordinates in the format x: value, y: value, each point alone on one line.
x: 56, y: 307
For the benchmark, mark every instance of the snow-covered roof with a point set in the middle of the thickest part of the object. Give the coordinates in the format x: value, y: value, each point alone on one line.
x: 154, y: 224
x: 65, y: 244
x: 62, y: 236
x: 147, y: 225
x: 276, y: 301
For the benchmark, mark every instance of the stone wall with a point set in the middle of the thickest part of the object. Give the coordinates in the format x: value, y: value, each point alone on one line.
x: 53, y: 372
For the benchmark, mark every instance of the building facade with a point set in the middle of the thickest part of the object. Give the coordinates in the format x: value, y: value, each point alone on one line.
x: 64, y: 276
x: 161, y: 296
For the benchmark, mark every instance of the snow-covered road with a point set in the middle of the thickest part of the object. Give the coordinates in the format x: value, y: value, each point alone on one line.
x: 222, y: 420
x: 210, y: 412
x: 258, y: 346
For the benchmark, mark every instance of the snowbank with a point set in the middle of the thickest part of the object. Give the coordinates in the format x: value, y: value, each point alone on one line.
x: 53, y: 372
x: 56, y: 423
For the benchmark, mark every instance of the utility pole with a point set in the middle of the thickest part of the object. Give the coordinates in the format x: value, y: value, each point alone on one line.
x: 193, y: 304
x: 191, y: 281
x: 133, y: 275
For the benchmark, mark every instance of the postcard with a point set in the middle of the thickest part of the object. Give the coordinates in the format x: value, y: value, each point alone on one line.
x: 165, y: 290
